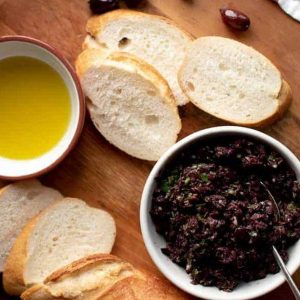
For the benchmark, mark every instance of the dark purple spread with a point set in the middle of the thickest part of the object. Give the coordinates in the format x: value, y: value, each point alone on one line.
x: 216, y: 217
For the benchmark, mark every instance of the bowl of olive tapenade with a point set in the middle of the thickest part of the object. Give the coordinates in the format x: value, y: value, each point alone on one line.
x: 209, y: 224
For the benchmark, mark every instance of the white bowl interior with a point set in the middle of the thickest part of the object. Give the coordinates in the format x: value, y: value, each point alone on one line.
x: 17, y: 168
x: 154, y: 242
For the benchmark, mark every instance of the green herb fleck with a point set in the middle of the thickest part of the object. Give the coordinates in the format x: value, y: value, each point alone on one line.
x: 168, y: 182
x: 165, y: 187
x: 200, y: 218
x: 202, y: 243
x: 204, y: 177
x: 187, y: 180
x: 291, y: 206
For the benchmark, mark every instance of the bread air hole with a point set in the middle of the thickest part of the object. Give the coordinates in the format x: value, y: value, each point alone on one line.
x: 151, y: 93
x: 124, y: 42
x: 102, y: 44
x: 223, y: 67
x: 190, y: 86
x: 151, y: 119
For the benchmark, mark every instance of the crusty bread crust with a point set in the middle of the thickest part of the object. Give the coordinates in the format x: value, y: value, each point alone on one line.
x: 284, y: 101
x: 13, y: 279
x: 37, y: 292
x: 43, y: 291
x: 4, y: 188
x: 149, y: 288
x: 96, y: 23
x: 90, y: 43
x: 85, y: 262
x: 136, y: 285
x: 88, y: 58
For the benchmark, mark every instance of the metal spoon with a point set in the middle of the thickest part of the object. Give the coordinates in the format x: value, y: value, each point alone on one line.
x: 277, y: 256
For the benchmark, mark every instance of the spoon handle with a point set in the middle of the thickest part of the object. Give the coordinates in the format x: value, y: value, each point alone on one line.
x: 286, y: 273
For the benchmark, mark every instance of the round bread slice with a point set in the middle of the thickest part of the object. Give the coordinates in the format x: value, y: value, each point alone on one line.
x: 19, y: 202
x: 130, y: 103
x: 233, y: 82
x: 64, y: 232
x: 154, y: 39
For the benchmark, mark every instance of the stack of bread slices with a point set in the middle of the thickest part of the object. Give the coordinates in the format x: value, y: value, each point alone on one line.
x: 59, y: 248
x: 137, y: 68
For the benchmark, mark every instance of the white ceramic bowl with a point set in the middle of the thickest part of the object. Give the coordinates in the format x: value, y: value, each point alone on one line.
x: 154, y: 242
x: 25, y: 46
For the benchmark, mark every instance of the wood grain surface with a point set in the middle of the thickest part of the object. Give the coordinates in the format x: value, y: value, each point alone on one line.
x: 106, y: 177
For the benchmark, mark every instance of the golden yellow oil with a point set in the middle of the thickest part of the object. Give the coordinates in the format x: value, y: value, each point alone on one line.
x: 35, y: 107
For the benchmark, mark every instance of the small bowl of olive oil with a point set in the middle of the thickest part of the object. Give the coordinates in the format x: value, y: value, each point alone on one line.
x: 42, y: 107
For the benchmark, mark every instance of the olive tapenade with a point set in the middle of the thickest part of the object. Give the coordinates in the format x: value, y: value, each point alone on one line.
x: 218, y: 220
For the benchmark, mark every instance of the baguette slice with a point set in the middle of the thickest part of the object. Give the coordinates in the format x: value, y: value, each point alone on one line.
x: 19, y: 202
x: 102, y: 277
x: 66, y: 231
x: 130, y: 103
x: 154, y: 39
x: 147, y: 288
x: 233, y: 82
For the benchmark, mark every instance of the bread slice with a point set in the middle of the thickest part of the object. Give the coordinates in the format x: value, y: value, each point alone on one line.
x: 154, y: 39
x: 90, y: 58
x: 102, y: 277
x: 19, y: 202
x: 86, y: 278
x: 147, y: 288
x: 233, y: 82
x: 90, y: 43
x: 130, y: 103
x: 66, y: 231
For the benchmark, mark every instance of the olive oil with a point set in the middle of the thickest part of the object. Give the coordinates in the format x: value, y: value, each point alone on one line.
x: 35, y: 108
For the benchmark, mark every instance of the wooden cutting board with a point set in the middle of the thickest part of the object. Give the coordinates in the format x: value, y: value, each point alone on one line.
x: 103, y: 175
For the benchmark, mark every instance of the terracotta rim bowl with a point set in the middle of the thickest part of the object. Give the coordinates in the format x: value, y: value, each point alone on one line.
x: 11, y: 46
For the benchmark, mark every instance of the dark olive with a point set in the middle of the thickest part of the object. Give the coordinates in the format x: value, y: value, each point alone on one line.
x: 133, y: 3
x: 103, y: 6
x: 235, y: 19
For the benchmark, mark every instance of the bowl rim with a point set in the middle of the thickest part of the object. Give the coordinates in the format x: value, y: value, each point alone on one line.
x: 160, y: 164
x: 79, y: 91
